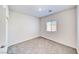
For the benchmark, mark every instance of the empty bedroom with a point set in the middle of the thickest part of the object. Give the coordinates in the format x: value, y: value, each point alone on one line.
x: 39, y: 29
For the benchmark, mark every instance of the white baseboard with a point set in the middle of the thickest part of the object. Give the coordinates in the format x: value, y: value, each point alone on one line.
x: 29, y: 38
x: 10, y: 44
x: 59, y: 42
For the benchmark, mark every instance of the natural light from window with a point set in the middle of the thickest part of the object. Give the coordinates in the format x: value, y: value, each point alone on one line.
x: 51, y: 26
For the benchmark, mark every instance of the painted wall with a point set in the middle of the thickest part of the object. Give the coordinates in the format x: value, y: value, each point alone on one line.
x: 2, y: 26
x: 22, y: 27
x: 2, y: 30
x: 66, y: 27
x: 78, y: 26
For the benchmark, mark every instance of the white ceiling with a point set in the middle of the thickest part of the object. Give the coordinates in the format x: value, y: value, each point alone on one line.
x: 44, y: 11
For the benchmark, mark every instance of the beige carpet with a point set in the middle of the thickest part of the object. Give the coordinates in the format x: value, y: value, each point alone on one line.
x: 40, y: 46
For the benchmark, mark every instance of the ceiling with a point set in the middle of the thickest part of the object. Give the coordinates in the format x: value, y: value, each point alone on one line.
x: 39, y: 10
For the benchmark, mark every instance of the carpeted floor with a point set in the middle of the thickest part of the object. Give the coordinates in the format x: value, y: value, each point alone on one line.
x: 40, y: 46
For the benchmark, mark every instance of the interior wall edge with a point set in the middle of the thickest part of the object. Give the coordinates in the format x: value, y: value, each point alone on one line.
x: 58, y: 12
x: 10, y: 44
x: 59, y: 42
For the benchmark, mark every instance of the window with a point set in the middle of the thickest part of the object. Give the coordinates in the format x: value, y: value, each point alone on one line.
x: 51, y: 26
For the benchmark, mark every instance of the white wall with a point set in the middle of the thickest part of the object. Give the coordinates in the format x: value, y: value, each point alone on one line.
x: 22, y: 27
x: 78, y: 26
x: 77, y: 11
x: 66, y: 27
x: 2, y: 26
x: 3, y: 30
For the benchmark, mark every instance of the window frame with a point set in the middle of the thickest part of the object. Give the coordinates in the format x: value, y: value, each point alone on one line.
x: 51, y: 21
